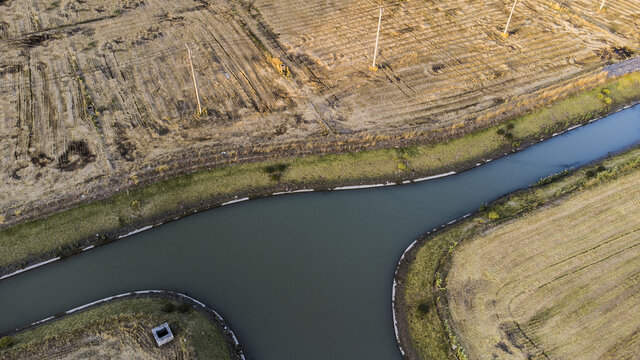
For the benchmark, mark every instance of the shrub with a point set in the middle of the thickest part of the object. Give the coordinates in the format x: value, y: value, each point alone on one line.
x: 553, y: 177
x: 593, y: 172
x: 423, y: 308
x: 440, y: 282
x: 6, y: 342
x: 168, y: 308
x: 270, y: 169
x: 183, y: 307
x: 493, y: 215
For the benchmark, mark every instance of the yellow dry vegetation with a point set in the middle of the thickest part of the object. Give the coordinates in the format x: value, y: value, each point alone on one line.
x: 93, y: 92
x: 122, y: 330
x: 561, y: 282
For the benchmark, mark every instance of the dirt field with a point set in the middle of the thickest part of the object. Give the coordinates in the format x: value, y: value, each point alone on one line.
x: 559, y: 283
x: 122, y: 330
x: 96, y: 96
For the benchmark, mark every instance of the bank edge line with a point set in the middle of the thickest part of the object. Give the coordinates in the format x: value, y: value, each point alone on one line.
x: 218, y: 317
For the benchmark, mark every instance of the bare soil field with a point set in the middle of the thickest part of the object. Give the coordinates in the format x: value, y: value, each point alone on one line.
x: 122, y: 330
x: 97, y: 96
x: 558, y: 283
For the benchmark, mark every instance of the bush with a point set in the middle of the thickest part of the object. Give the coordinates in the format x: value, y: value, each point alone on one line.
x: 276, y: 168
x: 423, y: 308
x: 493, y: 215
x: 168, y: 308
x: 593, y: 172
x: 553, y: 177
x: 6, y: 342
x: 183, y: 307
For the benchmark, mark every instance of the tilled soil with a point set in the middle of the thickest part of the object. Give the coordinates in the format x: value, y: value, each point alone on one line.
x: 96, y: 97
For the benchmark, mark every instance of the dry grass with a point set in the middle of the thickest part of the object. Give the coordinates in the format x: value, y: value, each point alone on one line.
x: 560, y: 283
x: 422, y: 278
x: 59, y: 233
x: 121, y: 330
x: 93, y: 93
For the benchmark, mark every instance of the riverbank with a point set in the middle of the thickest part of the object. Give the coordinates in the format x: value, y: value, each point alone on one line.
x: 88, y: 225
x: 423, y: 325
x: 120, y: 326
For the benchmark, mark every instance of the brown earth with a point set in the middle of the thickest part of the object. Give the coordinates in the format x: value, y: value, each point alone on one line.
x: 96, y: 97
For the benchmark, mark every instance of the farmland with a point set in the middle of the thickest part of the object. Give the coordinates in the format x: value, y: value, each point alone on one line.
x: 548, y: 269
x: 121, y: 330
x: 97, y: 97
x: 558, y: 283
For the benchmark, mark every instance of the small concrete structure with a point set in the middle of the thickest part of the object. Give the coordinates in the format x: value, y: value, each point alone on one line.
x: 162, y: 334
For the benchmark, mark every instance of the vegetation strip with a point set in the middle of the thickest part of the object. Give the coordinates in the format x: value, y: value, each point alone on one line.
x: 423, y: 328
x: 66, y: 233
x: 235, y: 349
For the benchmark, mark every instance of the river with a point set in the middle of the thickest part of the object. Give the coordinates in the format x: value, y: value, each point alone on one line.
x: 301, y: 276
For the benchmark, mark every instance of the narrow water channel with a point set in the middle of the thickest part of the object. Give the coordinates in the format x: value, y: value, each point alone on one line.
x: 303, y: 276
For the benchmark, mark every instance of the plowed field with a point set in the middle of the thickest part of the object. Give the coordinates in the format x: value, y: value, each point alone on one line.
x: 560, y: 283
x: 95, y: 95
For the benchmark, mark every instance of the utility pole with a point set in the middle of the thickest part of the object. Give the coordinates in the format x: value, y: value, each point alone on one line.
x: 601, y: 5
x: 195, y: 84
x: 508, y: 21
x: 375, y: 51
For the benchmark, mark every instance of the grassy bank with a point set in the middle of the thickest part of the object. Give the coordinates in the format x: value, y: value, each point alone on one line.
x: 121, y: 329
x: 65, y: 233
x: 422, y: 287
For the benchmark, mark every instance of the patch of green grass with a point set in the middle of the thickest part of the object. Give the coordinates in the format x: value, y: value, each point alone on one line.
x: 422, y: 284
x: 63, y: 232
x: 207, y: 339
